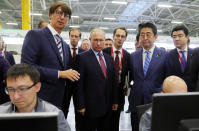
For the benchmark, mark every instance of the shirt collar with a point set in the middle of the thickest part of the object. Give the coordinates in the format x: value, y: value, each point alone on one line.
x: 96, y: 53
x: 72, y: 46
x: 52, y: 30
x: 183, y: 50
x: 114, y: 49
x: 151, y: 50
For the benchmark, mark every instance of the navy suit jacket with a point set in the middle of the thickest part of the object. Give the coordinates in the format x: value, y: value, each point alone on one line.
x: 173, y: 67
x: 10, y: 58
x: 124, y: 72
x: 4, y: 66
x: 95, y: 92
x: 40, y: 49
x: 145, y: 86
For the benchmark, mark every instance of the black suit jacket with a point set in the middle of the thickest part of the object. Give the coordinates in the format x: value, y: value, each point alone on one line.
x: 71, y: 61
x: 124, y: 72
x: 95, y: 92
x: 173, y: 67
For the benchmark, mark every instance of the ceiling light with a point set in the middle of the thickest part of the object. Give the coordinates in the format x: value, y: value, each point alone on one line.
x: 75, y: 16
x: 159, y: 30
x: 74, y: 26
x: 9, y: 23
x: 165, y: 5
x: 176, y: 22
x: 119, y: 2
x: 109, y: 18
x: 36, y: 14
x: 104, y: 28
x: 131, y: 29
x: 0, y: 12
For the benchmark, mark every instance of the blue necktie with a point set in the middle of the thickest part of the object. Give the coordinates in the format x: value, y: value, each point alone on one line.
x: 183, y: 62
x: 147, y: 61
x: 59, y: 45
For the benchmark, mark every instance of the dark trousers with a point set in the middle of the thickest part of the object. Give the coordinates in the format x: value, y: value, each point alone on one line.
x: 79, y: 121
x: 67, y: 98
x: 97, y: 123
x: 115, y: 120
x: 134, y: 121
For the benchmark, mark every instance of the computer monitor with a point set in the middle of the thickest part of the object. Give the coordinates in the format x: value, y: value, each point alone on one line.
x: 168, y: 109
x: 42, y: 121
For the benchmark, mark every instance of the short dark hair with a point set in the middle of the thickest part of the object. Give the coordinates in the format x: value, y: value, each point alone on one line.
x: 40, y: 24
x: 109, y: 39
x: 72, y: 29
x: 121, y: 28
x: 64, y: 6
x: 23, y: 69
x: 180, y: 27
x: 147, y: 25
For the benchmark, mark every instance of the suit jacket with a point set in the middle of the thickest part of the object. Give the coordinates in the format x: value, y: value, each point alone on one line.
x: 173, y: 67
x: 4, y: 66
x: 124, y: 72
x: 9, y: 57
x: 145, y: 86
x: 195, y: 68
x: 40, y: 49
x: 95, y: 92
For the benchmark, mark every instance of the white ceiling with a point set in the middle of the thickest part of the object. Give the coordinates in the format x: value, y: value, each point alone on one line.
x: 92, y: 12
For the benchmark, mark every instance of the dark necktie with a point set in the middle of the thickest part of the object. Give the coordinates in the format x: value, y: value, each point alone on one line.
x: 102, y: 64
x: 183, y: 61
x: 59, y: 45
x: 147, y: 62
x: 74, y: 53
x: 117, y: 65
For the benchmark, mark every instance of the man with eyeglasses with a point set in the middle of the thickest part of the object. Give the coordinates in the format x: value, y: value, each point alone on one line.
x: 121, y: 60
x: 46, y: 50
x: 23, y: 84
x: 148, y: 70
x: 179, y: 60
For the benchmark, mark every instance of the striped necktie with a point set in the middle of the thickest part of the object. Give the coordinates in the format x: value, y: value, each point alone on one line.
x: 102, y: 64
x: 59, y: 45
x: 147, y: 62
x: 183, y: 62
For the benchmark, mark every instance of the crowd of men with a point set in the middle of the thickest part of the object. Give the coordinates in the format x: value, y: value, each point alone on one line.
x: 95, y: 74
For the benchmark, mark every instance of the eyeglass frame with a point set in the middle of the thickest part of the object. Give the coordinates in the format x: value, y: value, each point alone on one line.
x: 20, y: 91
x: 60, y: 14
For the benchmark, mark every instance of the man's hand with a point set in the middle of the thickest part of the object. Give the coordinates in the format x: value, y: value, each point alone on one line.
x: 114, y: 107
x: 82, y: 111
x: 70, y: 74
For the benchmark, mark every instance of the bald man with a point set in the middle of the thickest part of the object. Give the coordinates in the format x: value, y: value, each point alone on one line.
x: 171, y: 84
x: 96, y: 95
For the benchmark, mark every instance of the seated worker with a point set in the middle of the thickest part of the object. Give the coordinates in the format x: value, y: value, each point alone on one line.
x: 171, y: 84
x: 22, y: 87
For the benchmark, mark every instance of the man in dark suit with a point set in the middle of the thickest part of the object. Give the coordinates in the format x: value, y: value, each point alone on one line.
x: 121, y: 61
x: 45, y: 49
x: 96, y: 93
x: 179, y: 60
x: 8, y: 55
x: 148, y: 70
x: 75, y: 36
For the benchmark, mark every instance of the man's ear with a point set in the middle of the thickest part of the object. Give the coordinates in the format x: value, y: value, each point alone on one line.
x: 38, y: 86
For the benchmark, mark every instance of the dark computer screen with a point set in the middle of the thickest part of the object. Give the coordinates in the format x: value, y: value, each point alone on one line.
x: 170, y: 108
x: 46, y: 121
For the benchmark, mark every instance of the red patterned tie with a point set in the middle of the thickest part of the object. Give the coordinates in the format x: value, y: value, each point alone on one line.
x: 117, y: 65
x: 74, y: 53
x: 102, y: 64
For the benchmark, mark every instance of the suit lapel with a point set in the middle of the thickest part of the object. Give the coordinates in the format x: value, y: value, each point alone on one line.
x: 140, y: 61
x: 189, y: 59
x: 94, y: 60
x: 53, y: 44
x: 176, y: 61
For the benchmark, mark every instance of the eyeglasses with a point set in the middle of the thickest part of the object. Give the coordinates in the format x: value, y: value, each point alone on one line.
x: 20, y: 90
x: 122, y: 36
x: 148, y: 35
x: 61, y: 13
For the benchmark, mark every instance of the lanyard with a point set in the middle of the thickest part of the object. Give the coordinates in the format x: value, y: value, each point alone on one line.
x: 181, y: 59
x: 120, y: 59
